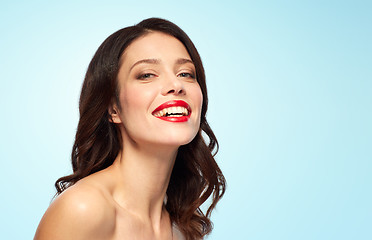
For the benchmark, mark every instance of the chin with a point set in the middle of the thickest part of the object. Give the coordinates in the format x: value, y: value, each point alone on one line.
x: 176, y: 138
x: 179, y: 141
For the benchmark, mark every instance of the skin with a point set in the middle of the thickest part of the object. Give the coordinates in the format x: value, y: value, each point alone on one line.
x: 126, y: 200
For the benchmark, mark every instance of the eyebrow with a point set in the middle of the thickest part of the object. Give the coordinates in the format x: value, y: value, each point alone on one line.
x: 179, y: 61
x: 149, y: 61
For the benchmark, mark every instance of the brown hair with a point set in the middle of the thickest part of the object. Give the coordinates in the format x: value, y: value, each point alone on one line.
x: 195, y: 176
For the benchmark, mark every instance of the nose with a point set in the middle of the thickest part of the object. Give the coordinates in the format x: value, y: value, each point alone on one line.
x: 173, y: 85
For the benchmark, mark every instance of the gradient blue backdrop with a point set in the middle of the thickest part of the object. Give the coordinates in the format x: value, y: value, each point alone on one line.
x: 290, y: 87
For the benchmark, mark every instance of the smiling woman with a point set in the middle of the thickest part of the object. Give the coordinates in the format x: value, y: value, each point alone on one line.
x: 141, y: 168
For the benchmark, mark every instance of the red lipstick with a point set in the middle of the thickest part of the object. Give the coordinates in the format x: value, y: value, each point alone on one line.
x: 161, y: 112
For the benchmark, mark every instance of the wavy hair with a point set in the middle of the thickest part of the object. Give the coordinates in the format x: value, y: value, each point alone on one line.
x: 196, y: 176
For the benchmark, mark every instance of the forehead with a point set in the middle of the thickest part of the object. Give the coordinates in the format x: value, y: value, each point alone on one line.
x: 154, y: 45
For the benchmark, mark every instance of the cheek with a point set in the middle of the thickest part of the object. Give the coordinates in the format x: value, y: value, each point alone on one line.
x: 201, y: 98
x: 135, y: 101
x: 198, y: 96
x: 128, y: 99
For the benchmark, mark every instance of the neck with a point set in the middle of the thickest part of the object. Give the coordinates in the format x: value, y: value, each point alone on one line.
x: 144, y: 175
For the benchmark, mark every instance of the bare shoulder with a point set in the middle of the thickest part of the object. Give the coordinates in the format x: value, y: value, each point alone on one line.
x: 80, y: 212
x: 177, y: 233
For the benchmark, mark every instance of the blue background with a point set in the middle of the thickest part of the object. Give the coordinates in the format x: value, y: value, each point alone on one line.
x: 290, y: 87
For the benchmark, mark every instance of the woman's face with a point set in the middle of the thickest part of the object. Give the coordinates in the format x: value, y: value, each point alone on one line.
x: 160, y: 97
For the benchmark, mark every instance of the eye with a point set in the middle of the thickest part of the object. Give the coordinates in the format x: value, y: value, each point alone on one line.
x: 145, y: 76
x: 187, y: 75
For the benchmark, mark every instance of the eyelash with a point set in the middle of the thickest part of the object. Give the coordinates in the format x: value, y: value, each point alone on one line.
x: 145, y: 76
x: 149, y: 75
x: 189, y: 75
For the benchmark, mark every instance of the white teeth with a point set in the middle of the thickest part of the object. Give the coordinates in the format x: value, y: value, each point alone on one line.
x: 174, y: 111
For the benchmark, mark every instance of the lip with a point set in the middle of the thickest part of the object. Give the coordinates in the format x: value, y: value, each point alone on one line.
x: 174, y: 103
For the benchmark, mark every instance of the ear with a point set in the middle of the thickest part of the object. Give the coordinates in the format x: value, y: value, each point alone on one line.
x: 114, y: 114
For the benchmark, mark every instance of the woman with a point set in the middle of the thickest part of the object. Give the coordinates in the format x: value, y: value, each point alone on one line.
x: 141, y: 166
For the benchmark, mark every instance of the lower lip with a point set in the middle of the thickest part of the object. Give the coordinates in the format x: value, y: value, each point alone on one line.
x: 175, y: 119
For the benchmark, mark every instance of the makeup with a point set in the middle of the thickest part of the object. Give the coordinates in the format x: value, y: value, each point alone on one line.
x: 173, y: 111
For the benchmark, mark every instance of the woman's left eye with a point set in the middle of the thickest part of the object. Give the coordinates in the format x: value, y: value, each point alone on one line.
x: 186, y: 75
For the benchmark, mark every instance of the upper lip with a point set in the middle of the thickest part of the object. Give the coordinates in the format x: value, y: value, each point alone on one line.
x: 173, y: 103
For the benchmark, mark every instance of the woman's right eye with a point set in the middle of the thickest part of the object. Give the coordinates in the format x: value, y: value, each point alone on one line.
x: 145, y: 76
